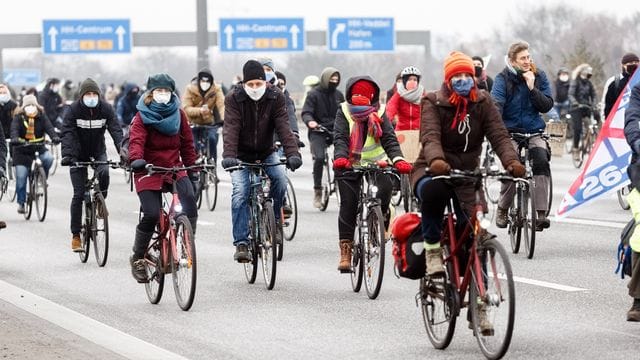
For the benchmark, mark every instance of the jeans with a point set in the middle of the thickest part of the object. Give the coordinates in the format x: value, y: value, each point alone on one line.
x: 78, y: 181
x: 240, y: 213
x: 198, y: 133
x: 22, y: 173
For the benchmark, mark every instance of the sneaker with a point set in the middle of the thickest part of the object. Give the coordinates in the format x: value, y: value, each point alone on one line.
x: 542, y: 221
x: 287, y: 211
x: 138, y: 270
x: 21, y: 209
x: 575, y: 152
x: 279, y: 233
x: 76, y: 243
x: 317, y: 198
x: 242, y: 254
x: 502, y: 217
x: 434, y: 262
x: 633, y: 314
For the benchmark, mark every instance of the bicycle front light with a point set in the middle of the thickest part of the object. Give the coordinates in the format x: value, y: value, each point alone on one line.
x: 483, y: 220
x: 374, y: 190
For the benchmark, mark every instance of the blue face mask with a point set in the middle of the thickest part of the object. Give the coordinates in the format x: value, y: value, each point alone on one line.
x: 270, y: 76
x: 462, y: 86
x: 90, y: 101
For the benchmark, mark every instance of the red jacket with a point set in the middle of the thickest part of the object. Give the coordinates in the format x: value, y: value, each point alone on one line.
x: 161, y: 150
x: 408, y: 113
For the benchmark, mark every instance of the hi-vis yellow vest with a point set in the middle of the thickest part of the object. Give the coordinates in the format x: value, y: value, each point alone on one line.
x: 372, y: 149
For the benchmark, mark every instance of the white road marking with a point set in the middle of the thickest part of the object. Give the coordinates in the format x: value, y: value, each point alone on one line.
x: 92, y: 330
x: 547, y: 284
x: 611, y: 224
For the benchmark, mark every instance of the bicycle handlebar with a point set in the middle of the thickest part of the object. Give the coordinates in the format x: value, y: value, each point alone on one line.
x: 17, y: 144
x: 478, y: 174
x: 530, y: 135
x: 93, y: 164
x: 155, y: 169
x: 245, y: 165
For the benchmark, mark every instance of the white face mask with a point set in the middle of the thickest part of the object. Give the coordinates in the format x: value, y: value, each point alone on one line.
x: 563, y: 77
x: 90, y: 101
x: 30, y: 110
x: 162, y: 98
x: 256, y: 93
x: 4, y: 98
x: 55, y: 88
x: 205, y: 85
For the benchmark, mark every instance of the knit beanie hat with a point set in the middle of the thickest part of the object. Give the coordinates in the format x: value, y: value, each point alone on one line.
x: 267, y: 62
x: 89, y: 85
x: 29, y: 100
x: 364, y: 88
x: 205, y: 74
x: 252, y: 70
x: 281, y: 76
x: 457, y: 63
x: 629, y: 57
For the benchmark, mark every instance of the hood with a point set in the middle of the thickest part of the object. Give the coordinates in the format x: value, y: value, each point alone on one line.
x: 130, y: 86
x: 205, y: 72
x: 354, y: 79
x: 327, y: 73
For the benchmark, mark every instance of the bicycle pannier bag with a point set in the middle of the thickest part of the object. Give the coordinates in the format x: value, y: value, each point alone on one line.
x: 408, y: 246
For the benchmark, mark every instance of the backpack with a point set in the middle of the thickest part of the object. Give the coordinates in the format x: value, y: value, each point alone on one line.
x: 624, y: 250
x: 408, y: 246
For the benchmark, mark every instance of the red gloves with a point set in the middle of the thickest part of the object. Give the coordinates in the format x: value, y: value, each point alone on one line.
x: 341, y: 163
x: 516, y: 168
x: 439, y: 167
x: 403, y: 167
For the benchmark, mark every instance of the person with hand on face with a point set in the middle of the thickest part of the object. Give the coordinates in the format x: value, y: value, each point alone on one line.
x: 253, y: 113
x: 159, y: 135
x: 617, y: 83
x: 320, y: 107
x: 484, y: 81
x: 522, y: 92
x: 83, y: 140
x: 362, y: 135
x: 403, y: 109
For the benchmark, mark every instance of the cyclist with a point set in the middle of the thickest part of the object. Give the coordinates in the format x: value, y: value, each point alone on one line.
x: 7, y: 108
x: 252, y: 113
x: 29, y: 126
x: 126, y: 105
x: 203, y: 102
x: 582, y: 96
x: 617, y: 83
x: 522, y: 92
x: 403, y: 109
x: 483, y: 80
x: 362, y: 135
x: 52, y: 102
x: 160, y: 134
x: 320, y: 108
x: 562, y: 92
x: 455, y: 121
x: 83, y: 139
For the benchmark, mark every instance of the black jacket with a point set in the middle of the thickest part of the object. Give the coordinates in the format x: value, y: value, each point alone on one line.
x: 83, y: 130
x: 613, y: 91
x: 321, y: 104
x: 51, y: 102
x: 41, y: 125
x: 562, y: 91
x: 582, y: 92
x: 6, y: 116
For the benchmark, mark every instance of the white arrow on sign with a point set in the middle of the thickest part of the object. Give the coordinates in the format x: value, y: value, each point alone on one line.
x: 294, y: 30
x: 340, y: 28
x: 228, y: 30
x: 52, y: 34
x: 120, y: 31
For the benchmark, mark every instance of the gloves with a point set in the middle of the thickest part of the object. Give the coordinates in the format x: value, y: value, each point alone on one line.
x: 230, y: 162
x: 294, y: 162
x: 138, y: 165
x: 516, y: 169
x: 341, y: 163
x: 194, y: 176
x: 56, y: 140
x: 439, y: 167
x: 403, y: 167
x: 67, y: 161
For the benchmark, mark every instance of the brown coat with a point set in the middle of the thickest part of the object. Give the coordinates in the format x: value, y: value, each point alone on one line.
x: 192, y: 102
x: 439, y: 141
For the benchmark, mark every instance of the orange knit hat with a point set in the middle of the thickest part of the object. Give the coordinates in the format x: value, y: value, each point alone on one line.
x: 457, y: 63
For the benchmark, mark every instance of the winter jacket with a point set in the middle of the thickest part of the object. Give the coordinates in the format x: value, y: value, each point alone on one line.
x: 7, y: 111
x: 582, y: 92
x: 562, y: 91
x: 26, y: 154
x: 192, y: 101
x: 52, y: 103
x: 249, y: 125
x: 161, y: 150
x: 83, y: 130
x: 632, y: 122
x: 126, y: 105
x: 322, y: 102
x: 408, y: 113
x: 613, y: 92
x: 519, y: 106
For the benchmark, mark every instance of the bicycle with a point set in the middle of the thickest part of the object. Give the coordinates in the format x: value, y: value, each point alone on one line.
x: 487, y: 279
x: 95, y: 224
x: 262, y: 227
x: 55, y: 152
x: 590, y: 129
x: 208, y: 182
x: 290, y: 223
x: 490, y: 161
x: 9, y: 183
x: 172, y: 248
x: 36, y: 185
x: 367, y: 257
x: 329, y: 185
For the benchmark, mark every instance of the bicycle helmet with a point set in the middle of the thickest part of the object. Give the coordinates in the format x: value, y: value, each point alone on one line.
x: 408, y: 71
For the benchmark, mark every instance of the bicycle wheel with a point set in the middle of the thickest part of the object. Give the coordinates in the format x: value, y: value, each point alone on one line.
x: 439, y: 309
x: 407, y: 195
x: 373, y: 252
x: 198, y: 189
x: 495, y: 311
x: 291, y: 224
x: 549, y: 195
x: 100, y: 230
x: 211, y: 189
x: 11, y: 177
x: 251, y: 268
x: 268, y: 248
x: 184, y: 269
x: 396, y: 194
x: 357, y: 269
x: 55, y: 153
x: 326, y: 185
x: 85, y: 233
x: 514, y: 225
x: 155, y: 275
x: 529, y: 218
x: 40, y: 193
x: 622, y: 197
x: 3, y: 186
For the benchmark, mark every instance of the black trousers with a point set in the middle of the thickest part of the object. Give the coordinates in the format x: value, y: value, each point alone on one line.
x: 78, y: 181
x: 151, y: 204
x: 318, y: 143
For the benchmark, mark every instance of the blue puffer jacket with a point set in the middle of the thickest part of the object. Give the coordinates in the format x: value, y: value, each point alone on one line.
x: 519, y: 106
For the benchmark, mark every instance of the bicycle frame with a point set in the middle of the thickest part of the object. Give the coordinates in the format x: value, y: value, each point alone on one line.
x: 166, y: 224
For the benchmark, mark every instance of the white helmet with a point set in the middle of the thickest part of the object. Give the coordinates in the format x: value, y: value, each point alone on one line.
x: 411, y: 70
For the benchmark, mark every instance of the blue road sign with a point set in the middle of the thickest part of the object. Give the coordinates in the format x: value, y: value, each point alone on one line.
x: 284, y: 34
x: 361, y: 34
x: 19, y: 77
x: 86, y: 36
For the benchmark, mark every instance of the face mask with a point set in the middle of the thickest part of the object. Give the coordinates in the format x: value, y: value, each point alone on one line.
x: 462, y: 86
x: 631, y: 68
x: 256, y: 93
x: 205, y: 85
x: 162, y: 98
x: 56, y: 88
x: 411, y: 85
x: 478, y: 71
x: 4, y: 98
x: 90, y: 101
x: 270, y: 76
x: 333, y: 85
x: 360, y: 100
x: 30, y: 110
x: 588, y: 76
x: 563, y: 77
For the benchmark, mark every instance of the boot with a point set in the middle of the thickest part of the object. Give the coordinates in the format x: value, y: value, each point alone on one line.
x: 502, y: 217
x: 542, y: 222
x: 634, y: 313
x: 575, y: 152
x: 137, y: 258
x: 317, y: 198
x: 346, y: 247
x: 434, y: 262
x: 76, y: 243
